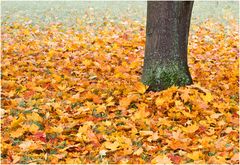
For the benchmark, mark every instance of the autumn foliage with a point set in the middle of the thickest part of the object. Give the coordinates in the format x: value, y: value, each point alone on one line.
x: 73, y: 95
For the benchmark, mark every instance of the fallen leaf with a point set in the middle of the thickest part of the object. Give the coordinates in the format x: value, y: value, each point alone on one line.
x: 138, y: 152
x: 161, y: 160
x: 111, y: 146
x: 140, y: 87
x: 190, y: 129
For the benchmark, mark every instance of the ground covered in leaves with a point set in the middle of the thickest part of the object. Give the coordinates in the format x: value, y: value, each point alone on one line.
x: 73, y: 95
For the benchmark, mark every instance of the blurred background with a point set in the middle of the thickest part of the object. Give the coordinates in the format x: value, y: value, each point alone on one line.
x: 67, y: 12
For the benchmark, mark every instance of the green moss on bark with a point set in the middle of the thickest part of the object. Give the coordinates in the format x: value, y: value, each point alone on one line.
x: 161, y: 77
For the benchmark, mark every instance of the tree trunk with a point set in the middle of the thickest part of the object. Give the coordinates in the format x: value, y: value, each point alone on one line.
x: 165, y: 60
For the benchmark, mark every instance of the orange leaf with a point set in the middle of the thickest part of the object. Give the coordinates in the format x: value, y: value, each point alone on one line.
x: 191, y: 129
x: 140, y: 87
x: 125, y: 102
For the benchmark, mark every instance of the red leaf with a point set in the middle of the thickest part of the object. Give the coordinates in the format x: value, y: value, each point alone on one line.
x: 175, y: 158
x: 40, y: 136
x: 28, y: 94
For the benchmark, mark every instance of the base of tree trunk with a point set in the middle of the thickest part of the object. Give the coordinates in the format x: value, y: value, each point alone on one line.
x: 163, y: 76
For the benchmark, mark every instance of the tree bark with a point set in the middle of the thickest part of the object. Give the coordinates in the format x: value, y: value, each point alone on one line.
x: 165, y: 60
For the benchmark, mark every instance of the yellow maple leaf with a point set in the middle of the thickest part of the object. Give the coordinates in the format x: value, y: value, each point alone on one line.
x: 141, y: 114
x: 35, y: 117
x: 164, y: 121
x: 208, y: 97
x: 125, y: 102
x: 159, y: 101
x: 110, y: 101
x: 51, y: 53
x: 19, y: 132
x: 195, y: 155
x: 107, y: 123
x: 112, y: 146
x: 83, y: 129
x: 33, y: 128
x: 26, y: 32
x: 38, y: 89
x: 101, y: 108
x: 128, y: 150
x: 57, y: 129
x: 187, y: 114
x: 185, y: 95
x: 140, y: 87
x: 134, y: 64
x: 191, y: 129
x: 62, y: 86
x: 80, y: 89
x: 142, y: 106
x: 87, y: 62
x: 16, y: 122
x: 56, y: 77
